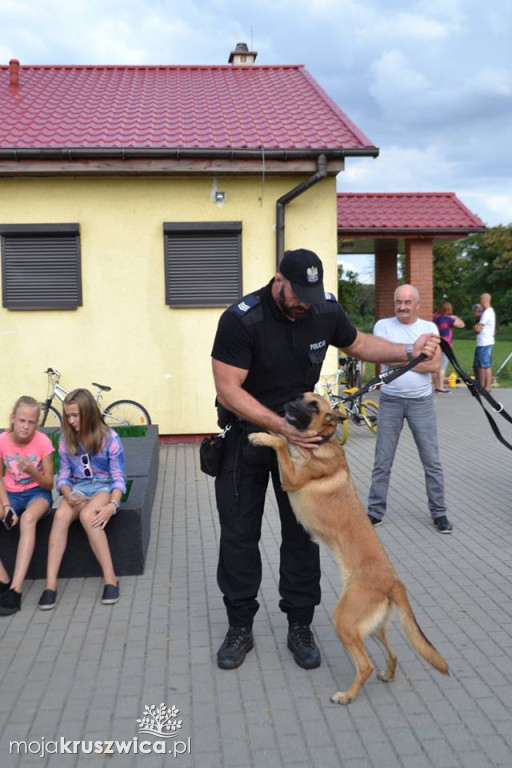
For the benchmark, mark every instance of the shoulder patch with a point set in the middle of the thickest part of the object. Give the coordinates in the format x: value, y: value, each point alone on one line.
x: 245, y: 305
x: 330, y: 297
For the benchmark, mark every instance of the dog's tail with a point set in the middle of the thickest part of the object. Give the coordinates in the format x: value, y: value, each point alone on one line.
x: 413, y: 632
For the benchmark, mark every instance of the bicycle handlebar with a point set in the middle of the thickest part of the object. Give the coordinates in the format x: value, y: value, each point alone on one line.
x: 52, y: 371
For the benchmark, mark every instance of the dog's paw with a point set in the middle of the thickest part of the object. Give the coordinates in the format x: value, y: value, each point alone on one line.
x: 386, y: 676
x: 341, y: 697
x: 258, y: 438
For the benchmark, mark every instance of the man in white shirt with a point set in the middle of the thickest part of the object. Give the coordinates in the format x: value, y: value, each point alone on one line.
x: 408, y: 398
x: 485, y: 329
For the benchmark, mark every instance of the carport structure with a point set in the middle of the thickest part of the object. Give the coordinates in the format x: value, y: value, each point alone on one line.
x: 390, y: 224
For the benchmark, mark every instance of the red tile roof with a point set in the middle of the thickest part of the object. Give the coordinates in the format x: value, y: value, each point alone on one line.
x: 150, y: 107
x: 403, y: 213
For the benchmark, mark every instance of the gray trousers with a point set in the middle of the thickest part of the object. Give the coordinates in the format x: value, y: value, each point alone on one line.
x: 421, y: 417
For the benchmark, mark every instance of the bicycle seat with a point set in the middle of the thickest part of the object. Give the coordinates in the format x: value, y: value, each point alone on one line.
x: 102, y: 387
x: 350, y: 391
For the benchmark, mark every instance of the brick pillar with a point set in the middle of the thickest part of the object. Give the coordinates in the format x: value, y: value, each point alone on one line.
x: 385, y: 277
x: 419, y: 271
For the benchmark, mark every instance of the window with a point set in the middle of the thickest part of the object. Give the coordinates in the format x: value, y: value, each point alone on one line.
x: 203, y: 263
x: 41, y: 266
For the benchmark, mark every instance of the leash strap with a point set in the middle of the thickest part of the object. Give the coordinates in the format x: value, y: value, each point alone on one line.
x: 384, y: 378
x: 478, y: 392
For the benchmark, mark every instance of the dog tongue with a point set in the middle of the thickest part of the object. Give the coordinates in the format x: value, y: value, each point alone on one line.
x: 289, y: 418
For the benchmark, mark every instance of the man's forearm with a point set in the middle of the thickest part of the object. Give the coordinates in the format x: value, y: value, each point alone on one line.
x: 375, y: 349
x: 246, y: 407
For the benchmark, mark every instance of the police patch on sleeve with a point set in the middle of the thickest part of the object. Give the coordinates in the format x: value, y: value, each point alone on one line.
x: 245, y: 305
x: 330, y: 297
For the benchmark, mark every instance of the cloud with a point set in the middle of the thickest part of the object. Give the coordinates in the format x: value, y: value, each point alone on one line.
x: 398, y: 169
x: 396, y: 81
x: 362, y: 264
x: 493, y: 80
x: 120, y: 32
x: 411, y: 98
x: 429, y: 81
x: 493, y: 209
x: 410, y: 26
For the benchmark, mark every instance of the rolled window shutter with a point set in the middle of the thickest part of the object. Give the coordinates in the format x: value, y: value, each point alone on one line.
x: 203, y: 264
x: 41, y: 270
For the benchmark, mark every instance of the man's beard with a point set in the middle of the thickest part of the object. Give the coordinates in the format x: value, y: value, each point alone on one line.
x: 294, y: 313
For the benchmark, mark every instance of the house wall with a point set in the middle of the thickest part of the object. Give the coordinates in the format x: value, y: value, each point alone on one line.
x: 125, y: 335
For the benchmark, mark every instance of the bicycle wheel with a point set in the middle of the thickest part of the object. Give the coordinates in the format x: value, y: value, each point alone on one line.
x: 50, y: 417
x: 126, y: 413
x: 369, y: 413
x: 342, y: 428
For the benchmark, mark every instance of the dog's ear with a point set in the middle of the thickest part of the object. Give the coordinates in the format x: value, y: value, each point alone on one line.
x: 332, y: 416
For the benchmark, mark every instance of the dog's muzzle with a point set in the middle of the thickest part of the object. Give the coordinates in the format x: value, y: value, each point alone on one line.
x: 298, y: 414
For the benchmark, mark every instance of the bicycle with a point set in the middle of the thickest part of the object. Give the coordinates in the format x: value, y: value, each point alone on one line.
x: 352, y: 370
x: 120, y: 413
x: 360, y: 411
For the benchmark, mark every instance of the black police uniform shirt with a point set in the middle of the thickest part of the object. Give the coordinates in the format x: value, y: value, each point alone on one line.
x: 283, y: 357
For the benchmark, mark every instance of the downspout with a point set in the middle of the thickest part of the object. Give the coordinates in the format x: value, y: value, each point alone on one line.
x: 321, y: 173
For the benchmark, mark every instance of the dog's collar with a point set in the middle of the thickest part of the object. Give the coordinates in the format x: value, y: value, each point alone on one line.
x: 325, y: 438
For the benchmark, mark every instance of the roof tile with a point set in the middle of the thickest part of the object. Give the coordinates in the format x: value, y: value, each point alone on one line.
x: 279, y: 107
x: 400, y: 212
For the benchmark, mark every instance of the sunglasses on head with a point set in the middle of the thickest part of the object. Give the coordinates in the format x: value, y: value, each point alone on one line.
x: 86, y: 465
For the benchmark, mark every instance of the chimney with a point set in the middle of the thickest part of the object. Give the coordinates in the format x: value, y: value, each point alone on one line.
x: 242, y: 55
x: 14, y: 80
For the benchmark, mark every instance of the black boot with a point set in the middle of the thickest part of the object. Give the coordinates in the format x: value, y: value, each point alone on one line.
x: 302, y: 644
x: 237, y: 643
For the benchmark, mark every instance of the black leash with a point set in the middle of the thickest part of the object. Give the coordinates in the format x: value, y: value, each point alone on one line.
x: 478, y: 392
x: 384, y: 378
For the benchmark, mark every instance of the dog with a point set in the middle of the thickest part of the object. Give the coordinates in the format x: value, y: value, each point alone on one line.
x: 324, y: 500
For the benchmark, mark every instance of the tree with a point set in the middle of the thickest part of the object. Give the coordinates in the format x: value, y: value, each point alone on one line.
x: 480, y: 263
x: 449, y: 276
x: 358, y: 299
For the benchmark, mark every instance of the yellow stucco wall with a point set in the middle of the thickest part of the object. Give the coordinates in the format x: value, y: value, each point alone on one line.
x: 125, y: 335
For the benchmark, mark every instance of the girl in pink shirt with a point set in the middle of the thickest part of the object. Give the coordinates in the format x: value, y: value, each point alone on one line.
x: 25, y: 491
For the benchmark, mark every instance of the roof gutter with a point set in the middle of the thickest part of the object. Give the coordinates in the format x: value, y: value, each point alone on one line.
x: 69, y: 153
x: 321, y: 173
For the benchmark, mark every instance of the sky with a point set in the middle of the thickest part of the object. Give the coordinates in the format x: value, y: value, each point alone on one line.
x: 428, y: 81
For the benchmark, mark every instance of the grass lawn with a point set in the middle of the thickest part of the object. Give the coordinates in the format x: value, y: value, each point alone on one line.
x: 464, y: 348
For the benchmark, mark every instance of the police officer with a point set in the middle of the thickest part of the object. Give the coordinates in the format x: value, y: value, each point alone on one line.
x: 269, y: 349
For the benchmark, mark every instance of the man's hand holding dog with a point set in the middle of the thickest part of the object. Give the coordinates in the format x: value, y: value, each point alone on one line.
x: 306, y: 439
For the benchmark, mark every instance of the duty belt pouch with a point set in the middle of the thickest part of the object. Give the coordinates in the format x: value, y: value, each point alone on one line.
x: 211, y: 452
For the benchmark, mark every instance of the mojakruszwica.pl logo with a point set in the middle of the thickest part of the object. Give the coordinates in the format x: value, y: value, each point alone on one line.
x: 160, y: 722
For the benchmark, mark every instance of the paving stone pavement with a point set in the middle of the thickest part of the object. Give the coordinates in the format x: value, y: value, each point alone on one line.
x: 89, y: 672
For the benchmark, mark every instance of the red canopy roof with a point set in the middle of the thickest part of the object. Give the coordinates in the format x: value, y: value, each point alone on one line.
x: 402, y: 213
x: 144, y: 107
